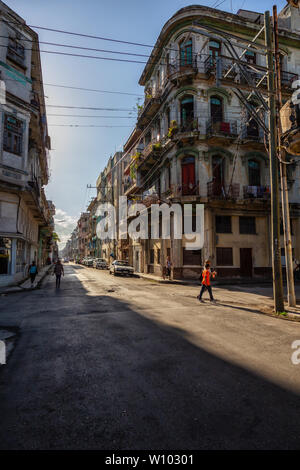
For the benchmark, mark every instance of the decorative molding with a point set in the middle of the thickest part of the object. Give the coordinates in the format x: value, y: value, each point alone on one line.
x: 219, y: 91
x: 187, y: 150
x: 263, y: 157
x: 218, y: 150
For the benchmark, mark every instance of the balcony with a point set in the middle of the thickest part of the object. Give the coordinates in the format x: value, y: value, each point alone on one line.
x: 180, y: 70
x: 287, y: 79
x: 227, y: 70
x: 221, y: 128
x: 217, y: 190
x: 151, y: 105
x: 257, y: 192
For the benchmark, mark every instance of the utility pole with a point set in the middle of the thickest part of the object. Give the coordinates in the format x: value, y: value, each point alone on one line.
x: 283, y: 176
x: 275, y: 210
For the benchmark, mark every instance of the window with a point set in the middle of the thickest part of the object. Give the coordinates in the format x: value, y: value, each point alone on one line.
x: 250, y: 57
x: 16, y: 51
x: 191, y: 257
x: 214, y: 49
x: 281, y: 227
x: 254, y: 173
x: 186, y: 53
x: 187, y: 111
x: 13, y: 134
x: 152, y: 256
x: 224, y: 256
x: 20, y: 256
x: 247, y: 225
x: 158, y: 256
x: 188, y: 175
x: 223, y: 223
x: 216, y: 109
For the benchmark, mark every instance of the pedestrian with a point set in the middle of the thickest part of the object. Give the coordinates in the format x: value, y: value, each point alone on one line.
x: 32, y: 272
x: 58, y: 271
x: 168, y: 267
x: 206, y: 276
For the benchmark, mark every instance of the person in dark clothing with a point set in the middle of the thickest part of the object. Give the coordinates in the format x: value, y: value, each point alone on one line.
x: 32, y: 272
x: 206, y: 275
x: 58, y: 271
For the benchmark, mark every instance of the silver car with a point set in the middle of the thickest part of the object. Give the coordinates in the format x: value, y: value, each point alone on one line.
x: 121, y: 267
x: 100, y: 263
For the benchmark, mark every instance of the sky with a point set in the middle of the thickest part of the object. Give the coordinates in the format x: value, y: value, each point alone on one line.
x: 79, y: 154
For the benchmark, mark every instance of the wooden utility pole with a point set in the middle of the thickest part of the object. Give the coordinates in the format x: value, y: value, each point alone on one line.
x: 283, y: 176
x: 275, y: 210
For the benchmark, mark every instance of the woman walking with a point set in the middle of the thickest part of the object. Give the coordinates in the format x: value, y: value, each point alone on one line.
x: 58, y: 271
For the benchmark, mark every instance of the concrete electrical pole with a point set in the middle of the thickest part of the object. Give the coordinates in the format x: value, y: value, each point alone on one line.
x: 275, y: 209
x: 283, y: 176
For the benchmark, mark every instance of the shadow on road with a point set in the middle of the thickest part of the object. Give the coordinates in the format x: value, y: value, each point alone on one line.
x: 90, y: 372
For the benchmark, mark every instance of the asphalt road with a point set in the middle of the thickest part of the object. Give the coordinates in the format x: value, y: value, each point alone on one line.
x: 118, y: 363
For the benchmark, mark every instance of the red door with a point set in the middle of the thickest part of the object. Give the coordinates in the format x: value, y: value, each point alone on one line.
x: 188, y: 177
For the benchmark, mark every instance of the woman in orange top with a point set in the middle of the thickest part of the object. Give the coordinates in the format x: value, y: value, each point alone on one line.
x: 206, y: 275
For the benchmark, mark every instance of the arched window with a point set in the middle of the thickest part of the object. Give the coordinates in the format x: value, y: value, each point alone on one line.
x: 214, y: 48
x: 186, y: 53
x: 188, y: 175
x: 218, y: 170
x: 187, y: 111
x: 254, y: 173
x: 216, y: 109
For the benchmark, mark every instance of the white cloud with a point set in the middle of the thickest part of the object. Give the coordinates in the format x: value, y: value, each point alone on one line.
x: 64, y: 226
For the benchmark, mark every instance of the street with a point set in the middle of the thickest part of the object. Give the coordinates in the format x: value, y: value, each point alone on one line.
x: 118, y: 363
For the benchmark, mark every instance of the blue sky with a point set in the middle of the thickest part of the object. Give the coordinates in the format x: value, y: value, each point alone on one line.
x: 79, y: 154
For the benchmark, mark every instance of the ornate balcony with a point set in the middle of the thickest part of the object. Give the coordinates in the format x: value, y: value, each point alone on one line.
x: 257, y: 192
x: 221, y: 128
x: 182, y: 70
x: 216, y: 190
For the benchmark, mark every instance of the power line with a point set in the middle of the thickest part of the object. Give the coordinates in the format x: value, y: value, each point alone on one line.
x: 87, y: 107
x: 71, y: 46
x: 80, y: 125
x: 79, y: 88
x: 92, y: 116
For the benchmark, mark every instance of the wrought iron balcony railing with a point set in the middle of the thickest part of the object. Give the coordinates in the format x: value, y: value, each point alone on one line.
x: 224, y: 128
x: 216, y: 190
x: 256, y: 192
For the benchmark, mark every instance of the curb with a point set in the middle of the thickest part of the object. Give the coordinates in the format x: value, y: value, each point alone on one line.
x: 18, y: 289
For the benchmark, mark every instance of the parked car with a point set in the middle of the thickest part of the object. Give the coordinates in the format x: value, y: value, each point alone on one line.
x: 121, y: 267
x: 89, y: 261
x: 100, y: 263
x: 66, y: 260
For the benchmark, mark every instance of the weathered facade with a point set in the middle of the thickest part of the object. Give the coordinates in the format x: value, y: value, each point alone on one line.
x: 195, y: 143
x: 26, y: 220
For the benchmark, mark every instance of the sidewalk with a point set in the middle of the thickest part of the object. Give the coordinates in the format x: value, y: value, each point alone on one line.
x: 253, y: 295
x: 26, y: 285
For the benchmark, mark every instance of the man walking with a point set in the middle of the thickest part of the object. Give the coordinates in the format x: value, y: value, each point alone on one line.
x: 32, y: 272
x: 58, y: 271
x: 206, y: 275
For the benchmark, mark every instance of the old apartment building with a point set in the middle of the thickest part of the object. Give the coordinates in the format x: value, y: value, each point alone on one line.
x: 194, y: 142
x: 26, y: 217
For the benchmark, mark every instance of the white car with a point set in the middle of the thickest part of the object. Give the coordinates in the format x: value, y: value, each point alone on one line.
x: 121, y: 267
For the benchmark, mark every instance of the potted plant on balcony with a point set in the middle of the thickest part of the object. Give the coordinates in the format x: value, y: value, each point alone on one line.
x: 172, y: 129
x: 156, y: 147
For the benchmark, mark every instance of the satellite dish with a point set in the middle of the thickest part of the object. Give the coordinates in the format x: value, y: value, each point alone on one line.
x: 294, y: 3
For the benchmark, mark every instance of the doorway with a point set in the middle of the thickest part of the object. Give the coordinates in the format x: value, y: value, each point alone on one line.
x: 246, y: 262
